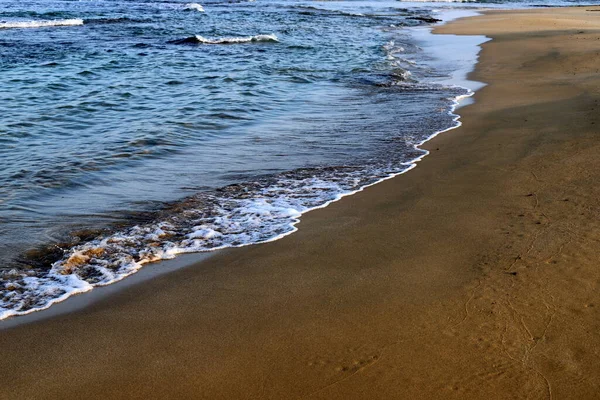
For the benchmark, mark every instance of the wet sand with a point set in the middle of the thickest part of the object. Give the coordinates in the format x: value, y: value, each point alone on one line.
x: 475, y: 275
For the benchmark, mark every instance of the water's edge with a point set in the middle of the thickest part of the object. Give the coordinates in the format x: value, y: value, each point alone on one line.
x: 70, y: 303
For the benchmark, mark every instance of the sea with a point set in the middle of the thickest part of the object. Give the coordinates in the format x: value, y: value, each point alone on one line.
x: 133, y: 131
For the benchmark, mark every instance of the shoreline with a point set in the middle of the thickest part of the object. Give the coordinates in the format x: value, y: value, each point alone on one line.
x: 474, y: 276
x: 458, y: 79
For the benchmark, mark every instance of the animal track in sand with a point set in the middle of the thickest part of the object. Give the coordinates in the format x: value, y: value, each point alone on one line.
x: 344, y: 365
x: 344, y: 371
x: 357, y: 364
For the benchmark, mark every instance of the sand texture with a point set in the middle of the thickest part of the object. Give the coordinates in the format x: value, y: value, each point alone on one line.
x: 474, y: 276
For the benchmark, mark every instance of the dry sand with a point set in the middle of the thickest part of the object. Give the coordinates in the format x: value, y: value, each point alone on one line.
x: 474, y: 276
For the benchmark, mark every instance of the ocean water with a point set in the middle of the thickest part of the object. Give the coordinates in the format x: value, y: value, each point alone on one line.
x: 133, y: 131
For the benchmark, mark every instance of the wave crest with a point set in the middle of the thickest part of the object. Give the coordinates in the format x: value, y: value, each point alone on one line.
x: 41, y: 24
x: 227, y: 40
x: 194, y: 7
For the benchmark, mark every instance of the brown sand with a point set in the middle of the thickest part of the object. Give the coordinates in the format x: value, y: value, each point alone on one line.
x: 474, y: 276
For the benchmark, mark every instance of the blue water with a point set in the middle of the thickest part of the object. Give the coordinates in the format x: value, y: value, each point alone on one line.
x: 131, y: 131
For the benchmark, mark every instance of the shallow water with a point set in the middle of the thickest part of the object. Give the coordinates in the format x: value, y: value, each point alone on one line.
x: 133, y: 131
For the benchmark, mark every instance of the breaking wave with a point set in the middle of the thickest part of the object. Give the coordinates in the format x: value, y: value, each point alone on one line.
x: 227, y: 40
x: 238, y: 215
x: 194, y: 7
x: 40, y: 24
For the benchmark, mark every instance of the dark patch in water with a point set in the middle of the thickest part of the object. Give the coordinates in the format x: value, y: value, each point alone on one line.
x: 187, y: 40
x: 119, y: 20
x: 429, y: 20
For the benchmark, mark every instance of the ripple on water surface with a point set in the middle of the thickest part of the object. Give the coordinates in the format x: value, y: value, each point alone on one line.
x: 148, y: 129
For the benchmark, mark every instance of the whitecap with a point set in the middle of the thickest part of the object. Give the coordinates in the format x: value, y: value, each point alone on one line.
x: 227, y: 40
x: 232, y: 40
x: 194, y: 6
x: 41, y: 24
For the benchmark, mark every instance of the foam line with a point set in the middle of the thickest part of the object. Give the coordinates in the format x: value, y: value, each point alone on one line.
x: 40, y: 24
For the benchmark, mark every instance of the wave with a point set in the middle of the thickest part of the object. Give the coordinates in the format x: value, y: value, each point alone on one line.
x: 238, y: 215
x: 227, y: 40
x: 118, y: 20
x: 309, y: 10
x: 194, y: 7
x: 41, y: 24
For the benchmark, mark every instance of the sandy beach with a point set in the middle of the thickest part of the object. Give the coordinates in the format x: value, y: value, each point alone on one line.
x: 474, y: 276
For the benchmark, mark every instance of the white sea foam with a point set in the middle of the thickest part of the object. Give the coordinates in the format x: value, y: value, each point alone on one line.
x: 40, y: 24
x: 236, y: 216
x: 194, y: 6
